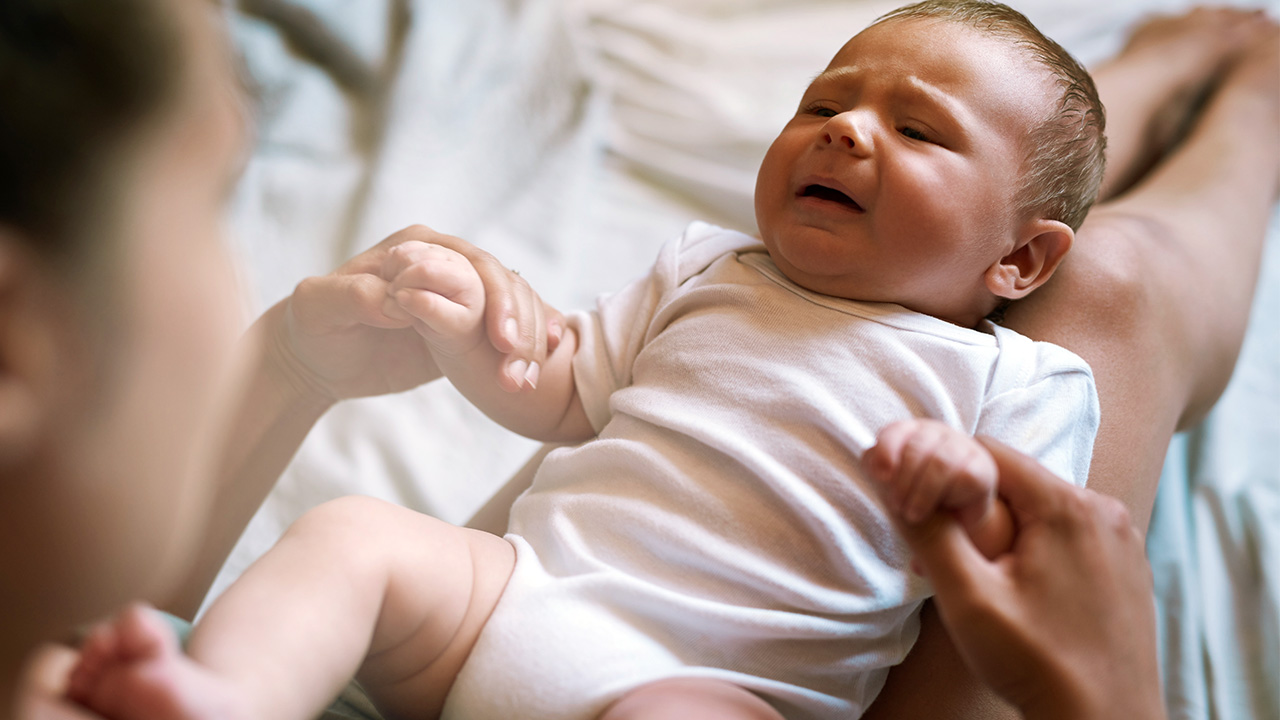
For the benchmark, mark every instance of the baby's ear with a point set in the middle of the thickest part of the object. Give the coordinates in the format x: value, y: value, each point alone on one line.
x: 1041, y: 246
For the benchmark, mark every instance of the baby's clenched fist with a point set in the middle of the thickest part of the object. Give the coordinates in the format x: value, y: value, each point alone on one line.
x: 440, y: 291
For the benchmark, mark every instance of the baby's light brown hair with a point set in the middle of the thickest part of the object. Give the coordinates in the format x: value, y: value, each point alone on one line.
x: 1064, y: 161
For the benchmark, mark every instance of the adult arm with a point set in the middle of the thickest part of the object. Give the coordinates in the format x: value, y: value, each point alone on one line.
x: 330, y: 341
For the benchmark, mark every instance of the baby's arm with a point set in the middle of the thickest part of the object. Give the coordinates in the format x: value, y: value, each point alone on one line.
x: 442, y: 293
x: 927, y: 466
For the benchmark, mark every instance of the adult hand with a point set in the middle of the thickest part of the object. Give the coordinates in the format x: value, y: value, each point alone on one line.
x: 1063, y: 625
x: 334, y: 339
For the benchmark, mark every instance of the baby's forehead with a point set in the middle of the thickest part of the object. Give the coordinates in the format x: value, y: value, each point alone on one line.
x: 961, y: 37
x: 947, y: 50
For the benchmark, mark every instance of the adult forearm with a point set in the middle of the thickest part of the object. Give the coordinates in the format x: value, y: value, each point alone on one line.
x: 273, y: 416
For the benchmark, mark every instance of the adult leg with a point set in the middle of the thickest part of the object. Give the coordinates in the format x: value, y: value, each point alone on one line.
x: 700, y: 698
x: 1152, y: 89
x: 1155, y: 295
x: 356, y: 587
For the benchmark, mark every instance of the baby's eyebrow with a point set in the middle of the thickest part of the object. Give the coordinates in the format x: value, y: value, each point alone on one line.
x: 915, y: 89
x: 951, y: 109
x: 832, y: 74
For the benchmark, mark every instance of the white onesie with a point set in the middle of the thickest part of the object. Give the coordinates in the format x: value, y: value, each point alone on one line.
x: 719, y: 525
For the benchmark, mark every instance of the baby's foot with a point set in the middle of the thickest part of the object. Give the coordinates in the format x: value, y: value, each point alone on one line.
x: 132, y: 669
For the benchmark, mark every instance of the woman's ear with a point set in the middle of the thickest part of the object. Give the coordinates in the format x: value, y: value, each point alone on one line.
x: 1041, y: 246
x: 29, y: 348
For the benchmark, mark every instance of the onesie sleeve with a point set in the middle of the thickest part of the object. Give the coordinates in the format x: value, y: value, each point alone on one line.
x: 1043, y: 402
x: 611, y: 336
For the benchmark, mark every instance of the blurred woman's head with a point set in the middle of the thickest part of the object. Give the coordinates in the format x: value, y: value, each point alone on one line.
x: 120, y: 137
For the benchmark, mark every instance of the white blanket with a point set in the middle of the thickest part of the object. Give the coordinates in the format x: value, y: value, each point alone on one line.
x: 572, y: 138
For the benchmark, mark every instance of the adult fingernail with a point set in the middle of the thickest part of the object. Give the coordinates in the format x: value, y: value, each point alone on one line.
x: 516, y: 371
x: 531, y: 376
x: 511, y: 330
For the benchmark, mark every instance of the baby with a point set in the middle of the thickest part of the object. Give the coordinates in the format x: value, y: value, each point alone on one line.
x: 715, y: 523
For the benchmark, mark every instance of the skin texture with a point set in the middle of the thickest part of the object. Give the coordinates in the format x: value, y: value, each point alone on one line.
x: 102, y: 495
x: 921, y: 123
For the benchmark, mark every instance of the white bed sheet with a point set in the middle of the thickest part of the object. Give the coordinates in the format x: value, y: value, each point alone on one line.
x: 572, y: 138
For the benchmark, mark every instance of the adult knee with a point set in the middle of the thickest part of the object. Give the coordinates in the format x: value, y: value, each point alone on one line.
x: 1115, y: 257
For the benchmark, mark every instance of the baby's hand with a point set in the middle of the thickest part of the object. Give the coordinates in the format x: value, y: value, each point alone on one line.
x: 440, y: 291
x: 926, y: 467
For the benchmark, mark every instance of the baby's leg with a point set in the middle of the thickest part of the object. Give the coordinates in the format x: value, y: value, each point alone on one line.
x: 700, y: 698
x: 356, y: 585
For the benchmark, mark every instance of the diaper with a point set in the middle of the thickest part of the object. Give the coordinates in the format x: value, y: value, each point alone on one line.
x: 565, y: 648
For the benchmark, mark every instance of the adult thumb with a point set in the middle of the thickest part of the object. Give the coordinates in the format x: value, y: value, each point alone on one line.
x: 947, y: 556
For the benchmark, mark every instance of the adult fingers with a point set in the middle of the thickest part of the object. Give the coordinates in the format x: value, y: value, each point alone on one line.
x: 513, y: 311
x: 335, y: 302
x: 1029, y: 488
x: 943, y: 550
x: 540, y: 342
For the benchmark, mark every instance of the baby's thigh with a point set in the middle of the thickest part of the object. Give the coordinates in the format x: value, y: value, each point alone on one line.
x: 438, y: 583
x: 702, y: 698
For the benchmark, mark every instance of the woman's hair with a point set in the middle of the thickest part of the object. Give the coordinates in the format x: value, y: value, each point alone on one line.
x: 77, y: 80
x: 1065, y: 153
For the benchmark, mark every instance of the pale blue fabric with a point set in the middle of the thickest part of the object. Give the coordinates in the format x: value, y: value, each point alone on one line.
x: 1214, y: 540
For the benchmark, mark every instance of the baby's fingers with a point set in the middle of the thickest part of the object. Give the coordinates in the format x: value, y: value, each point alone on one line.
x: 881, y: 460
x: 420, y: 266
x: 925, y: 459
x: 958, y: 474
x: 448, y: 326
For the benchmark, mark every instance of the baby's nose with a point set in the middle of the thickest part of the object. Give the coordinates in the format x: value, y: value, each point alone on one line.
x: 845, y: 132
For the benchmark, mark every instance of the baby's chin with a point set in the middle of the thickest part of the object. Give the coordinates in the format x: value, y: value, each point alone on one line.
x: 813, y: 269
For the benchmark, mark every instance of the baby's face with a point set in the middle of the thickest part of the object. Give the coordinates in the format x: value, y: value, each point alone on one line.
x: 894, y: 182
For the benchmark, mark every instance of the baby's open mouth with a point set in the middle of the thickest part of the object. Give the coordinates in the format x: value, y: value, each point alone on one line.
x: 822, y: 192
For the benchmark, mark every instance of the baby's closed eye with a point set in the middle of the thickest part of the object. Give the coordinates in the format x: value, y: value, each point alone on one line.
x: 915, y: 133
